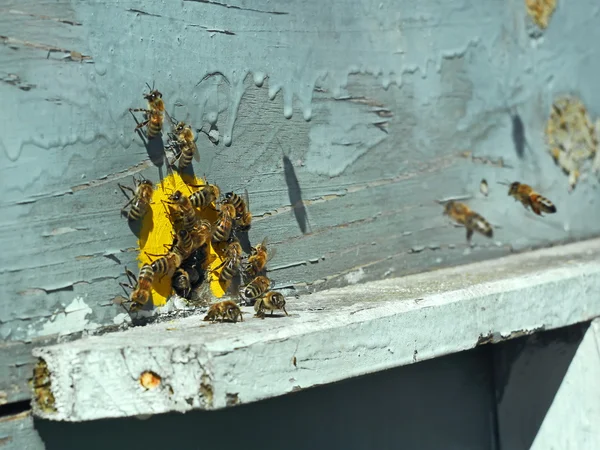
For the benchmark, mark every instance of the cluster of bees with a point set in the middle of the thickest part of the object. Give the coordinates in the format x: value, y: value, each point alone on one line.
x: 572, y: 137
x: 185, y: 257
x: 473, y: 221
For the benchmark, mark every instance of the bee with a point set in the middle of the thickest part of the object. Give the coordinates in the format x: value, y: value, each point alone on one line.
x: 224, y: 224
x: 225, y: 310
x: 184, y: 143
x: 166, y: 264
x: 472, y: 221
x: 141, y: 286
x: 483, y: 187
x: 201, y: 233
x: 269, y: 302
x: 529, y: 198
x: 231, y: 263
x: 181, y: 283
x: 184, y: 243
x: 257, y: 287
x: 187, y: 214
x: 258, y: 259
x: 243, y: 217
x: 154, y: 113
x: 140, y: 200
x: 204, y: 196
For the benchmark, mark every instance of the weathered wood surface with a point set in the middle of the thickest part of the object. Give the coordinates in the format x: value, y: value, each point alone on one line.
x: 329, y: 336
x: 394, y: 92
x: 17, y: 432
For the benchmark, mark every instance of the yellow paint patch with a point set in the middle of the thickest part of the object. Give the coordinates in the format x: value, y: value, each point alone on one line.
x: 156, y: 235
x: 540, y: 11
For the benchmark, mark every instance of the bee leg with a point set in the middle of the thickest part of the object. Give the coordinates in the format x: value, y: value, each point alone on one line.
x: 469, y: 235
x: 286, y: 313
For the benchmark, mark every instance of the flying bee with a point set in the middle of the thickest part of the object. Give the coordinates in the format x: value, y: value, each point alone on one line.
x: 141, y: 286
x: 185, y: 208
x: 531, y: 199
x: 257, y: 287
x: 166, y: 264
x: 231, y: 263
x: 183, y: 142
x: 225, y: 310
x: 140, y: 200
x: 181, y: 283
x: 243, y: 217
x: 269, y: 302
x: 154, y: 113
x: 205, y: 195
x: 258, y: 259
x: 472, y: 221
x: 224, y: 224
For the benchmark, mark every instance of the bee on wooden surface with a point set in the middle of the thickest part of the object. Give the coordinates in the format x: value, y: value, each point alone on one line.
x: 183, y: 143
x: 256, y: 288
x: 140, y: 199
x: 141, y: 286
x: 224, y: 224
x: 181, y: 283
x: 185, y: 209
x: 472, y: 221
x: 225, y: 310
x: 205, y: 195
x: 531, y: 199
x: 166, y: 264
x: 154, y: 113
x: 258, y: 259
x: 231, y: 263
x: 271, y: 301
x: 243, y: 217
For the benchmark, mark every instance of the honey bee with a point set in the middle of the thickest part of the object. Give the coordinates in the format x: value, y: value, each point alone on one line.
x: 243, y: 217
x: 231, y: 263
x: 258, y: 259
x: 154, y: 113
x: 269, y: 302
x: 184, y: 143
x: 472, y: 221
x: 205, y: 195
x: 184, y: 243
x: 187, y: 214
x: 257, y: 287
x: 166, y: 264
x: 224, y: 224
x: 181, y: 283
x: 141, y: 286
x: 140, y: 200
x: 225, y: 310
x: 201, y: 233
x: 529, y: 198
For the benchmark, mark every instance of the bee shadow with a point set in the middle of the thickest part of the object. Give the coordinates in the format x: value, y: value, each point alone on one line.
x: 244, y: 240
x: 155, y: 147
x: 295, y: 194
x: 518, y: 134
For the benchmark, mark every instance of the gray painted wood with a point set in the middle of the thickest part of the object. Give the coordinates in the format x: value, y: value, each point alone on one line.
x: 394, y: 94
x: 17, y: 432
x: 328, y: 336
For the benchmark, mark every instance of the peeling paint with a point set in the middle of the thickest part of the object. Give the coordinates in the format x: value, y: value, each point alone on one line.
x: 71, y: 320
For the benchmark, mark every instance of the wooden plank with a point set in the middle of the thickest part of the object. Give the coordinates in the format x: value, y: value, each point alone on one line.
x: 17, y: 432
x: 329, y: 336
x: 548, y: 395
x: 358, y: 121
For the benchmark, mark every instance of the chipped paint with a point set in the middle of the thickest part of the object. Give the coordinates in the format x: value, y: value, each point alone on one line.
x: 70, y: 320
x: 355, y: 277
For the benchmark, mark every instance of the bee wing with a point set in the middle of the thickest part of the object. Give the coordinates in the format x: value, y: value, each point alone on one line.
x: 271, y: 254
x: 247, y: 199
x: 195, y: 149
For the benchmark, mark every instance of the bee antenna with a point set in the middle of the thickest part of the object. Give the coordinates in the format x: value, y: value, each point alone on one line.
x: 504, y: 183
x: 150, y: 88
